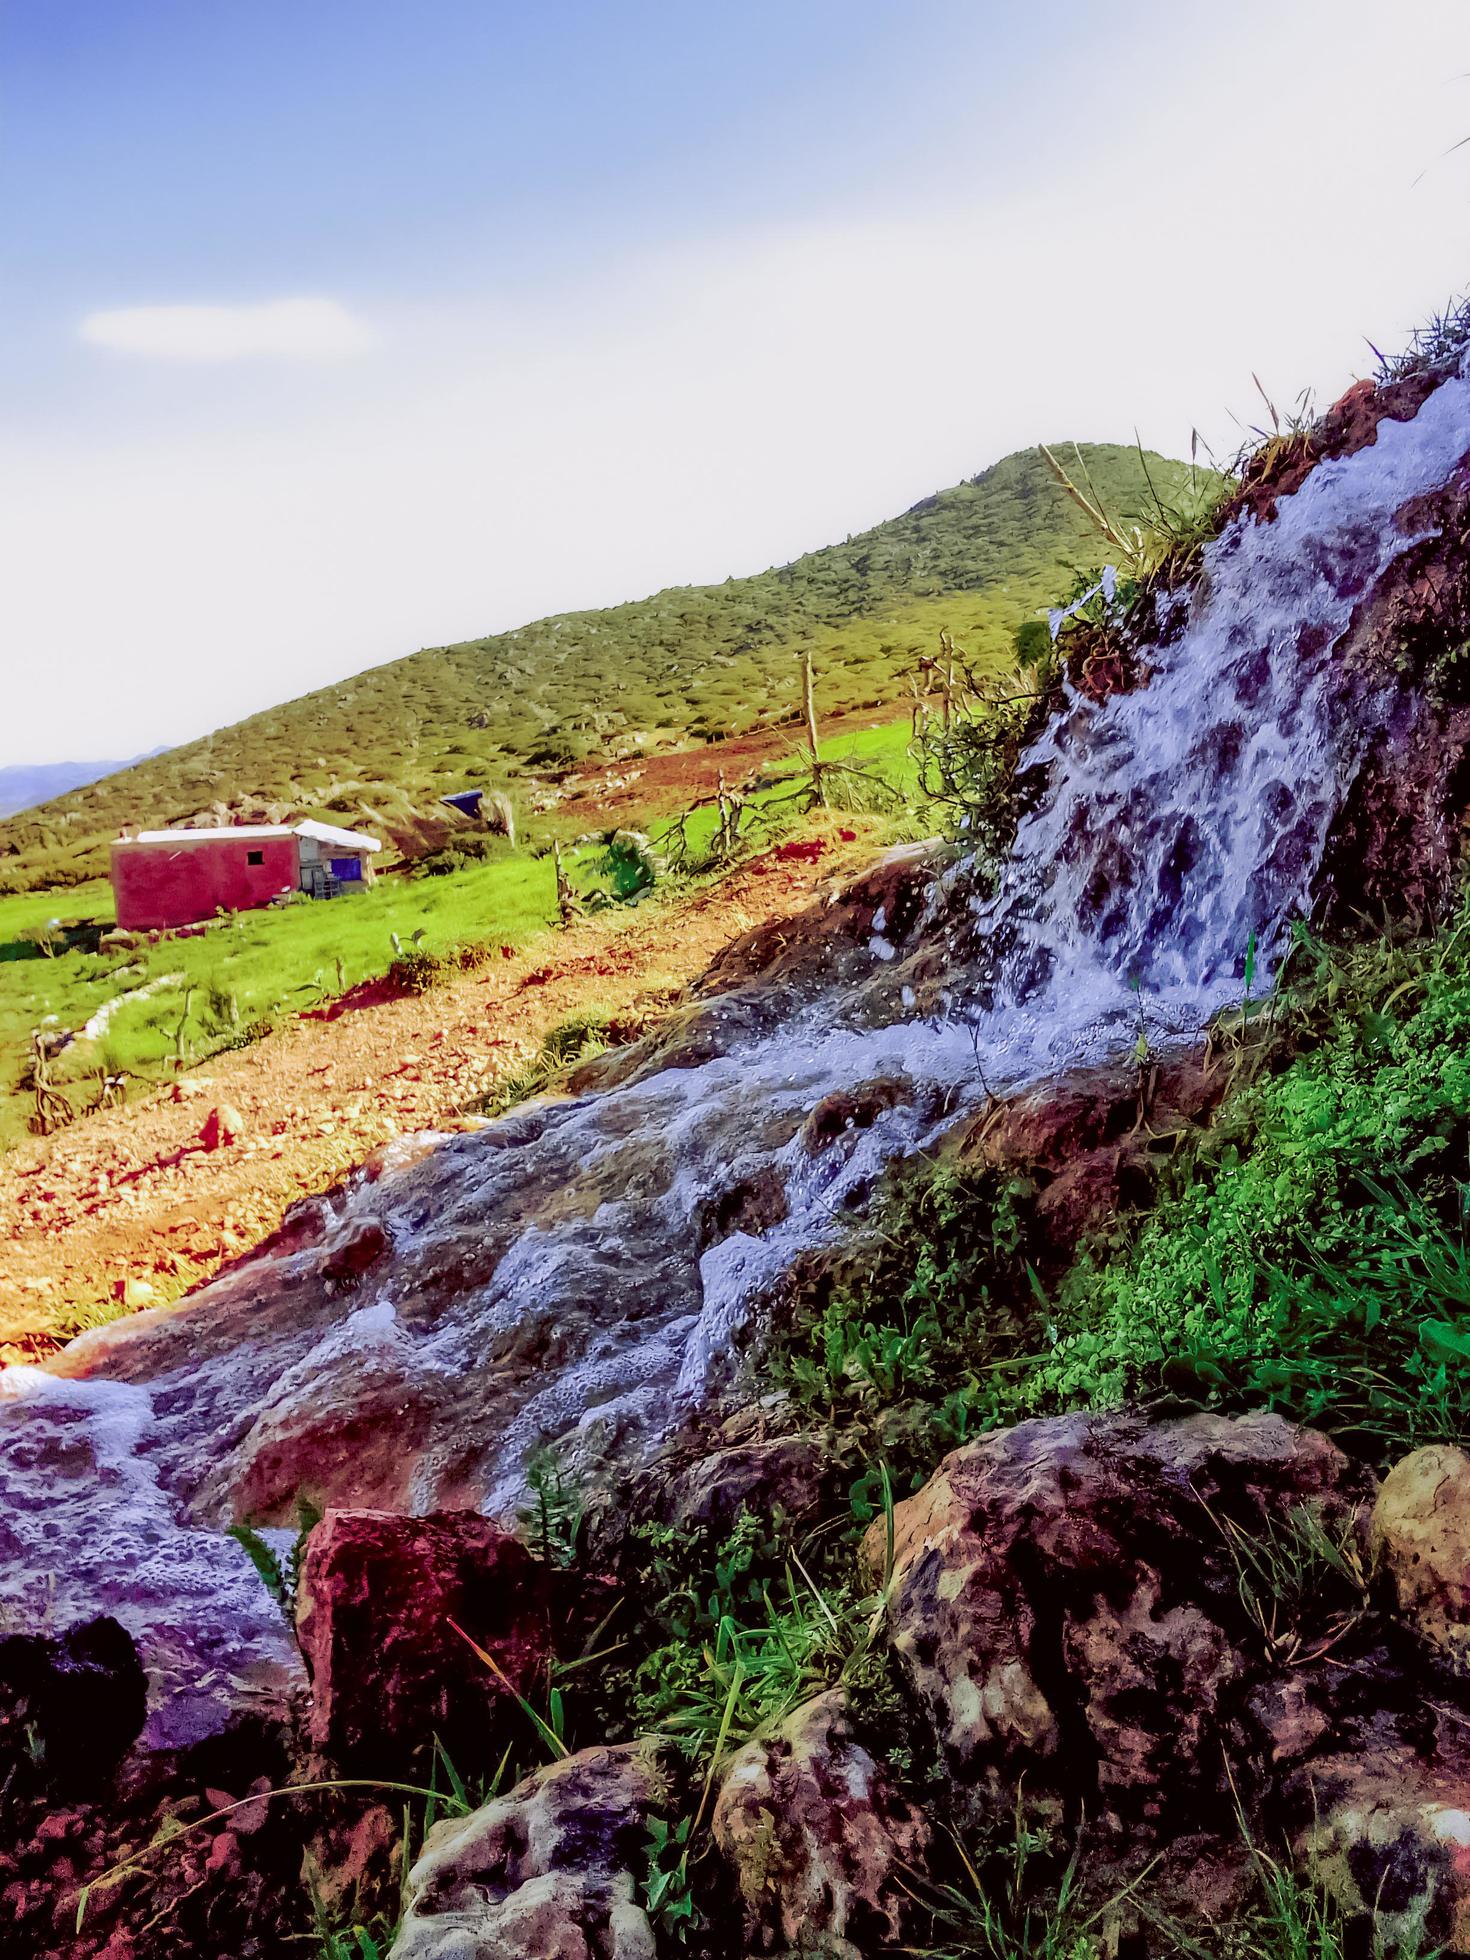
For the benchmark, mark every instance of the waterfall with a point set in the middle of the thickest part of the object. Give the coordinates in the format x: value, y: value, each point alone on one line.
x: 578, y: 1272
x: 1186, y: 820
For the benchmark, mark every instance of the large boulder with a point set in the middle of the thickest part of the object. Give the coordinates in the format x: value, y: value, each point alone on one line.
x: 1421, y: 1532
x: 817, y: 1837
x: 1067, y: 1602
x: 545, y: 1873
x: 380, y: 1602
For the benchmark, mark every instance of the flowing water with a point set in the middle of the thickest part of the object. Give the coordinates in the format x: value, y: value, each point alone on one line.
x: 582, y: 1271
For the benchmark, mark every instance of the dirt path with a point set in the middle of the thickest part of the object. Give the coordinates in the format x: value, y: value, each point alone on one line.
x: 130, y: 1205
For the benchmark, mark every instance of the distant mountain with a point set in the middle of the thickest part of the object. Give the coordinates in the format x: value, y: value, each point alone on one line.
x: 25, y: 784
x: 691, y: 663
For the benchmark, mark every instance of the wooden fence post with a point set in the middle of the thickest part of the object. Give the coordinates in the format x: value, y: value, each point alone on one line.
x: 808, y: 699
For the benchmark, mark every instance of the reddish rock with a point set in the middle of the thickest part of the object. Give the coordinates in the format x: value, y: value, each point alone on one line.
x: 358, y: 1249
x: 223, y: 1125
x: 1083, y: 1142
x: 1280, y: 467
x: 380, y: 1598
x: 852, y: 1109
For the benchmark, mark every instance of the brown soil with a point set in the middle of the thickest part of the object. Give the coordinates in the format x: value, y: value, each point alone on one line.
x: 686, y: 776
x: 133, y: 1205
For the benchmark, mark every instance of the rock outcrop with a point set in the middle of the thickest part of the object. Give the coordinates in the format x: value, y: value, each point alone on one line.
x: 548, y: 1872
x: 1066, y: 1602
x: 1421, y: 1530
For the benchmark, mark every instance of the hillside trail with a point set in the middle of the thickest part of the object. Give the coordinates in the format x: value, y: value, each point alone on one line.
x: 133, y: 1205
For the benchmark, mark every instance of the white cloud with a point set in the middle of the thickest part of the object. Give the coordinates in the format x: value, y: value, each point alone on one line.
x: 278, y: 329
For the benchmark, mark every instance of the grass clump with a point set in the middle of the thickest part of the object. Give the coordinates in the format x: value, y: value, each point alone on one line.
x: 1316, y: 1259
x: 911, y: 1345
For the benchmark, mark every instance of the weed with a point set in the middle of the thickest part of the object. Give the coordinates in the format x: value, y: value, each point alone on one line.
x: 667, y: 1897
x: 1304, y: 1581
x: 551, y: 1520
x: 281, y: 1576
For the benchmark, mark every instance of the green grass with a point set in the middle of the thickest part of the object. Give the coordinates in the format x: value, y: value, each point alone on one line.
x: 258, y: 967
x: 1316, y: 1259
x: 242, y: 972
x: 687, y: 665
x: 1311, y: 1253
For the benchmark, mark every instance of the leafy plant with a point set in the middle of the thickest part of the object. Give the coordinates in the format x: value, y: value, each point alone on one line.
x: 280, y: 1575
x: 667, y: 1897
x: 551, y: 1519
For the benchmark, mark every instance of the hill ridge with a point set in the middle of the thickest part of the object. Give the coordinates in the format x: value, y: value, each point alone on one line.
x: 686, y: 663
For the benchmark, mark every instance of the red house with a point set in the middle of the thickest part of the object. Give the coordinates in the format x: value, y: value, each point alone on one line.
x: 164, y: 878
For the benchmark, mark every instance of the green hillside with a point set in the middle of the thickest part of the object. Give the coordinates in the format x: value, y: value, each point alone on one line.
x: 690, y: 664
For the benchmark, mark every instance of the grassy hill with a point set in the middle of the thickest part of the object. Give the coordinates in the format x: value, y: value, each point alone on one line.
x: 691, y: 664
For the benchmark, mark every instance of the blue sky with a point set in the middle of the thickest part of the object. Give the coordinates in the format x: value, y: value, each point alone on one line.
x: 331, y: 330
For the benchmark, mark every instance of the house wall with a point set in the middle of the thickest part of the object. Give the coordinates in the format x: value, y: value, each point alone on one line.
x: 177, y: 884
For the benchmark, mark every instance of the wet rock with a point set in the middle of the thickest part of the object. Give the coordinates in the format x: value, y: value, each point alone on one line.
x: 1083, y: 1142
x: 752, y: 1205
x: 545, y: 1873
x: 1421, y: 1531
x: 817, y: 1837
x: 380, y: 1598
x: 1278, y: 469
x: 787, y: 1473
x: 70, y: 1707
x: 356, y: 1251
x: 1394, y: 848
x: 852, y: 1109
x: 1066, y: 1606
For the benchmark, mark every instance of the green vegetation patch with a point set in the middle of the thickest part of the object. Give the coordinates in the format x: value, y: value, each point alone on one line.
x: 1311, y: 1255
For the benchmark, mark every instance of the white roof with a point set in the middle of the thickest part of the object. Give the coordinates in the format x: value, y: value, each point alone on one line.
x: 328, y: 833
x: 322, y: 833
x: 203, y: 836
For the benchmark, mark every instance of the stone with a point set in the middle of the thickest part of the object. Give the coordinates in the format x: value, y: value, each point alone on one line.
x: 548, y: 1872
x: 1421, y: 1533
x: 223, y: 1125
x: 1066, y: 1607
x: 379, y: 1600
x: 1383, y: 1824
x: 70, y: 1706
x: 817, y: 1838
x: 787, y: 1473
x: 355, y: 1251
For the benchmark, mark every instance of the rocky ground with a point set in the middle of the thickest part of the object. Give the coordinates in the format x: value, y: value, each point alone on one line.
x: 133, y: 1205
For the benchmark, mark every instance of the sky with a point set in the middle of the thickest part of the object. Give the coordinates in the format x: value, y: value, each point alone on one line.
x: 330, y: 329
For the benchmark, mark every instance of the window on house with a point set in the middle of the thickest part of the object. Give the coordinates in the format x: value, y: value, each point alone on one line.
x: 255, y: 857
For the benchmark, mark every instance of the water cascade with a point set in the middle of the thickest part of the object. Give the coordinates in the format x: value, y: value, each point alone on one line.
x: 583, y: 1270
